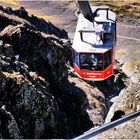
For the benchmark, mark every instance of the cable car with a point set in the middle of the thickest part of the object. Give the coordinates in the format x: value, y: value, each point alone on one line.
x: 94, y: 42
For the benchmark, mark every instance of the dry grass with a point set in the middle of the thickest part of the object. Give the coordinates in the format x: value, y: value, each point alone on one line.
x: 39, y: 14
x: 137, y: 52
x: 15, y: 75
x: 131, y: 66
x: 17, y: 4
x: 120, y: 52
x: 36, y: 76
x: 128, y: 8
x: 11, y: 2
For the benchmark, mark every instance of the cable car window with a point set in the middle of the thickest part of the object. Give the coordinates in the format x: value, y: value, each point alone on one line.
x: 107, y: 59
x: 91, y: 61
x: 76, y: 58
x: 98, y: 37
x: 92, y: 37
x: 108, y: 38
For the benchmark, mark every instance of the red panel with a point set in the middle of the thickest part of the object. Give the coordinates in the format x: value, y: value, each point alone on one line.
x: 108, y: 71
x: 96, y: 75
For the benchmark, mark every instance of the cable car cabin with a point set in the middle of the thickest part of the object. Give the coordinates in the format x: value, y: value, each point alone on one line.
x: 94, y: 45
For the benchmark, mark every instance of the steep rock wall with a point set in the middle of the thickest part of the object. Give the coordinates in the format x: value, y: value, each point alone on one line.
x: 38, y: 97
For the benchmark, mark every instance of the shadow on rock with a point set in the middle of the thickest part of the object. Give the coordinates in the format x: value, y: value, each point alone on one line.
x: 112, y: 86
x: 84, y: 105
x: 72, y: 100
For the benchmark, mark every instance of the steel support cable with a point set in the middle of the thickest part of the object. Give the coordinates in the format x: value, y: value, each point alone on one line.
x: 96, y: 131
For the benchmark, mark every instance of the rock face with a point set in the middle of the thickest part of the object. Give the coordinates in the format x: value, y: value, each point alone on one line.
x: 27, y: 109
x: 132, y: 69
x: 20, y: 16
x: 41, y: 49
x: 85, y: 104
x: 38, y: 97
x: 126, y: 103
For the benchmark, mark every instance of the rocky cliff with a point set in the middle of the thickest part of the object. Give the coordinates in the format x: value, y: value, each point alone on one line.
x: 127, y: 102
x: 39, y: 96
x: 27, y: 108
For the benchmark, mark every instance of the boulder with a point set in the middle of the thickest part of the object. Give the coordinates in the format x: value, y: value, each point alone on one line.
x: 95, y: 104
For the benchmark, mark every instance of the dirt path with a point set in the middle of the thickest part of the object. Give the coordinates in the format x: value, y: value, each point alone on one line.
x: 128, y: 38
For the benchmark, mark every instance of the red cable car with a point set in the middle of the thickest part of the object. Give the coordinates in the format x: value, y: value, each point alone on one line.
x: 94, y: 42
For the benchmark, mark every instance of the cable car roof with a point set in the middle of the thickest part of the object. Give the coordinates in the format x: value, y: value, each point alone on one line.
x: 104, y: 14
x: 91, y: 32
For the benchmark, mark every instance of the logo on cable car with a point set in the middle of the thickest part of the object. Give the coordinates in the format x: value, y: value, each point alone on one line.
x: 94, y: 74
